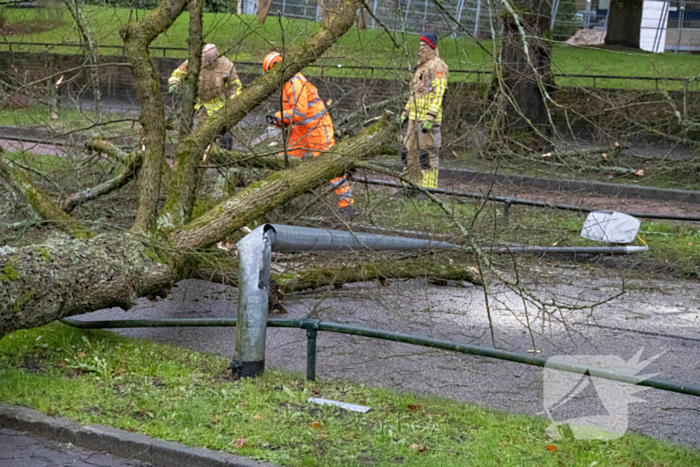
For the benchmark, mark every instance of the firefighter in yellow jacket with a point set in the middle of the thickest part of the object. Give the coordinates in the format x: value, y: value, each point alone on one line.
x: 218, y: 82
x: 423, y: 112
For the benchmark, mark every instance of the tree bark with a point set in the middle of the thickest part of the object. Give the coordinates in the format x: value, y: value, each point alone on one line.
x: 436, y: 266
x: 190, y: 87
x: 624, y: 23
x: 66, y: 276
x: 525, y: 74
x: 263, y: 10
x: 137, y: 38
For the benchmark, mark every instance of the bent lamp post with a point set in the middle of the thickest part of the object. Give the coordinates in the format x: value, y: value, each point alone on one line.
x: 254, y: 257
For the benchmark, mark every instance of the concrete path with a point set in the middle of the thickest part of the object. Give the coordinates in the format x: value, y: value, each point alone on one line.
x: 654, y: 316
x: 19, y: 449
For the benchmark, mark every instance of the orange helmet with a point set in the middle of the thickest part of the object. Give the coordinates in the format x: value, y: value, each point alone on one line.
x: 269, y: 60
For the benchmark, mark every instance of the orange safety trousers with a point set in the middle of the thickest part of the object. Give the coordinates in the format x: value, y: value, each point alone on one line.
x: 312, y: 128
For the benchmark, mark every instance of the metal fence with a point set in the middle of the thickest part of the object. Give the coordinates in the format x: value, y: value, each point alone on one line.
x: 667, y: 25
x: 251, y: 321
x: 410, y: 16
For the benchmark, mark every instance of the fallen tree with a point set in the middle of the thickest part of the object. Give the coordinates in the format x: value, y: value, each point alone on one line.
x: 78, y: 270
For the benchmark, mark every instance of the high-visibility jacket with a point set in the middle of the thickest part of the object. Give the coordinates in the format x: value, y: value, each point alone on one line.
x: 427, y: 89
x: 304, y: 111
x: 218, y: 81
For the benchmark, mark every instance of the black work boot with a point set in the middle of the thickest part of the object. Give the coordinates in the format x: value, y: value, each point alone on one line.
x: 347, y: 213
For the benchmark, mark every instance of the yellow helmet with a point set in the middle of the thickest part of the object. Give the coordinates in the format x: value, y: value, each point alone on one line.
x: 269, y: 60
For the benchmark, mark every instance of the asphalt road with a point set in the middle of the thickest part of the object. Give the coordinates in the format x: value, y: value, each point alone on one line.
x: 19, y: 449
x: 658, y: 317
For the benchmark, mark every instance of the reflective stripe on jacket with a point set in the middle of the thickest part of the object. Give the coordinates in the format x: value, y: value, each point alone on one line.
x: 217, y: 81
x: 427, y: 89
x: 303, y: 109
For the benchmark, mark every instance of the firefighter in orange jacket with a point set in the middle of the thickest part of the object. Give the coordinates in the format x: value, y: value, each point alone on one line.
x: 311, y: 126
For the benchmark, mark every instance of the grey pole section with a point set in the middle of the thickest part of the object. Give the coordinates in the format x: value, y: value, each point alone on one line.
x: 253, y: 289
x: 374, y: 12
x: 288, y: 238
x: 477, y: 19
x: 555, y: 8
x: 681, y: 17
x: 254, y: 257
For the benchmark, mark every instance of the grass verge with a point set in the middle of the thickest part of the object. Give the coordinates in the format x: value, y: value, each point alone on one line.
x: 180, y: 395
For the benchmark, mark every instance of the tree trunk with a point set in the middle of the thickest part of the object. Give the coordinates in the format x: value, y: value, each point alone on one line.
x: 65, y: 276
x: 194, y: 64
x: 137, y: 37
x: 624, y: 23
x: 263, y: 10
x: 525, y: 73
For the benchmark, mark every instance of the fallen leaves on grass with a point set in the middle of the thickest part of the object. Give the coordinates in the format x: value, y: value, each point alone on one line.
x: 418, y: 449
x: 414, y: 407
x: 551, y: 447
x: 315, y: 425
x: 240, y: 443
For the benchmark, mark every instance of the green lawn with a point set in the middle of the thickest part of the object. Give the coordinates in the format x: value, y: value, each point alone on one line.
x: 180, y: 395
x: 244, y: 40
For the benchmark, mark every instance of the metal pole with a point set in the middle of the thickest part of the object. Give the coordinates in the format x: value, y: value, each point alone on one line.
x: 607, y: 16
x: 425, y: 14
x: 506, y: 210
x: 659, y: 25
x: 374, y: 13
x: 311, y: 333
x: 477, y: 19
x: 254, y: 252
x: 254, y: 257
x: 408, y: 8
x: 681, y: 18
x: 288, y: 238
x: 555, y: 8
x: 460, y: 6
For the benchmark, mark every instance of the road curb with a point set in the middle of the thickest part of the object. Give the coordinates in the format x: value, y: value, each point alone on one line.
x: 117, y: 442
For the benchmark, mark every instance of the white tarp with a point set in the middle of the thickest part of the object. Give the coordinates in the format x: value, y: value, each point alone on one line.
x: 610, y: 227
x: 652, y: 36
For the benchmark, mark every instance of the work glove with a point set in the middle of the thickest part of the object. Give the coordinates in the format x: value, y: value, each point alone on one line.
x: 274, y: 121
x: 427, y: 126
x: 173, y: 87
x: 402, y: 120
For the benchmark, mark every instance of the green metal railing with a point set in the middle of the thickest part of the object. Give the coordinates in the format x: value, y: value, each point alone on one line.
x: 182, y: 52
x: 313, y: 326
